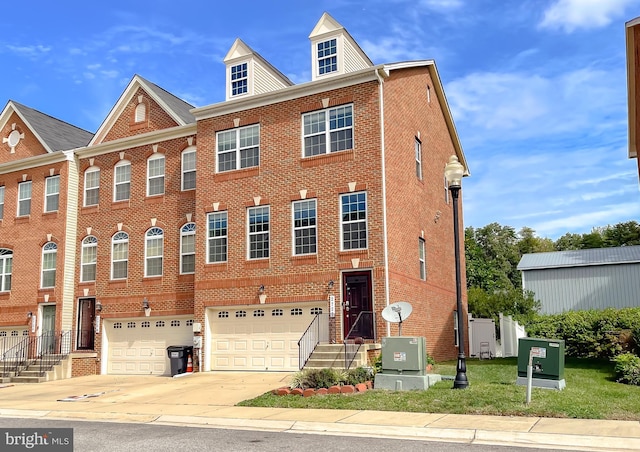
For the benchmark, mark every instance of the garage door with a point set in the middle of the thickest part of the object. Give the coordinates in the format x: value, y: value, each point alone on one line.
x: 10, y: 337
x: 139, y: 346
x: 259, y: 337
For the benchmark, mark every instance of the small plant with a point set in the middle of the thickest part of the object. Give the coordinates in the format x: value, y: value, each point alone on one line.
x: 315, y: 378
x: 376, y: 364
x: 357, y: 375
x: 627, y: 369
x: 430, y: 360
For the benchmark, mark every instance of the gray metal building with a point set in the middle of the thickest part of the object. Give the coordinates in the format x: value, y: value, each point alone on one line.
x: 583, y: 279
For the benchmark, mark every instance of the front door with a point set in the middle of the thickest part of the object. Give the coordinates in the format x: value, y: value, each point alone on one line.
x: 356, y: 293
x: 48, y: 329
x: 86, y: 323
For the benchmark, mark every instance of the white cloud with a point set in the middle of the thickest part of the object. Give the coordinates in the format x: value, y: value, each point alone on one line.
x: 440, y: 5
x: 597, y: 180
x: 610, y: 214
x: 29, y: 51
x: 570, y: 15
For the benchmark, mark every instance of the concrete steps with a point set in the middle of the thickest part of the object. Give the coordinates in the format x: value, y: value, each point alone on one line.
x: 31, y: 373
x: 332, y: 356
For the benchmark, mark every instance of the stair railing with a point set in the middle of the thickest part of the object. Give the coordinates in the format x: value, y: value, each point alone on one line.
x: 316, y: 332
x: 354, y: 338
x: 14, y: 355
x: 53, y: 347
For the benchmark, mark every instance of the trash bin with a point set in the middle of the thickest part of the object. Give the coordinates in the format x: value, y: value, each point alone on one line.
x: 179, y: 356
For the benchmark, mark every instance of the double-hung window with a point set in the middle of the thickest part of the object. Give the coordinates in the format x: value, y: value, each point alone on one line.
x: 353, y: 208
x: 216, y: 237
x: 24, y: 198
x: 258, y: 225
x: 239, y: 79
x: 91, y: 186
x: 305, y: 234
x: 119, y: 255
x: 422, y: 258
x: 52, y: 193
x: 49, y: 257
x: 188, y: 248
x: 153, y: 250
x: 327, y: 57
x: 1, y: 202
x: 329, y: 130
x: 155, y: 175
x: 89, y: 259
x: 238, y: 148
x: 122, y: 181
x: 418, y: 154
x: 6, y: 263
x: 189, y: 169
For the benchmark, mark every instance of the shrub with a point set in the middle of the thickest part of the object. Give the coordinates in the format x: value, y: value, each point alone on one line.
x: 627, y: 369
x: 315, y: 378
x: 357, y: 375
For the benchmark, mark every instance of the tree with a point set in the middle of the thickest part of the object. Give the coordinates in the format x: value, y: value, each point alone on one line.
x: 593, y: 239
x: 622, y: 234
x: 530, y: 243
x: 522, y: 306
x: 569, y: 242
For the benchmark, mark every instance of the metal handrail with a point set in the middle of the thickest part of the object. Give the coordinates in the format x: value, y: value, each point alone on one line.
x: 351, y: 348
x: 14, y: 355
x: 313, y: 335
x: 48, y: 349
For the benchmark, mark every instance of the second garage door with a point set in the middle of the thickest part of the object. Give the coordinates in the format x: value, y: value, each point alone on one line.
x: 259, y: 337
x: 139, y: 346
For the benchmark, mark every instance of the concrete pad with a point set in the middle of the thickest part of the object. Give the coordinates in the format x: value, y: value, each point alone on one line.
x: 240, y: 412
x: 392, y: 418
x: 498, y: 423
x: 596, y: 427
x: 240, y: 424
x: 558, y: 441
x: 317, y: 415
x: 22, y: 413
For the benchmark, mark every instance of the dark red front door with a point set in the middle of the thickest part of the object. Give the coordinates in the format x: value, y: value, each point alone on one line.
x: 356, y: 293
x: 86, y: 323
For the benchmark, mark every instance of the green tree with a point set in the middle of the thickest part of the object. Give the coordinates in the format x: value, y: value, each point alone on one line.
x: 622, y: 234
x: 522, y: 306
x: 593, y: 239
x: 568, y: 242
x: 529, y: 242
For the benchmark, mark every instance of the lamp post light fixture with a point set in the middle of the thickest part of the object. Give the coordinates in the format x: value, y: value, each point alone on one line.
x: 453, y: 173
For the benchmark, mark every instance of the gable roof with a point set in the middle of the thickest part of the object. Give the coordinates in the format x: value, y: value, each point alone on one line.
x: 53, y: 134
x: 581, y: 258
x: 175, y: 107
x: 239, y: 49
x: 328, y: 25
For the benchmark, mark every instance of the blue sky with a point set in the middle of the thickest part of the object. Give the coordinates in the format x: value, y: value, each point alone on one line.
x: 537, y: 87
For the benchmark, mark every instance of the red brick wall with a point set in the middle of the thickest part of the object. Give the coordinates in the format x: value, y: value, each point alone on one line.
x: 28, y: 146
x: 82, y: 366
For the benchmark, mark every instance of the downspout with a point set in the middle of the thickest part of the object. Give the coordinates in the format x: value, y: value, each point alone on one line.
x: 384, y: 194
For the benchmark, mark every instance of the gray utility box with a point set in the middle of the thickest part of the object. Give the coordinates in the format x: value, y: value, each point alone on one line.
x: 404, y: 355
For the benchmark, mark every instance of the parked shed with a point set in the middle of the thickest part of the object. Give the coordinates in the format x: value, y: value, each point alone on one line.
x: 583, y: 279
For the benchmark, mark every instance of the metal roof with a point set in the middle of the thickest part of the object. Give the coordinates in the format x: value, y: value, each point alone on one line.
x: 581, y: 258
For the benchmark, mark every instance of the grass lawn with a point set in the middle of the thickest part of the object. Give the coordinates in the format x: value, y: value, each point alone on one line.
x: 591, y: 393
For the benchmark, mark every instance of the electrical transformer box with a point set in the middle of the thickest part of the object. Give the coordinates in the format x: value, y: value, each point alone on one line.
x: 547, y: 358
x: 404, y: 354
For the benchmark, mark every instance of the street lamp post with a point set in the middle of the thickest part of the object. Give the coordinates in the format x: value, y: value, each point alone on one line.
x: 453, y: 173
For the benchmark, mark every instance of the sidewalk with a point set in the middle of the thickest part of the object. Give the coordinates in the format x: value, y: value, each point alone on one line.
x: 208, y: 399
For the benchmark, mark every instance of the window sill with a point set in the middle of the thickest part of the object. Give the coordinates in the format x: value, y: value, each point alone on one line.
x: 22, y: 220
x: 324, y: 159
x: 50, y: 215
x: 5, y: 295
x: 258, y: 263
x: 188, y: 277
x: 151, y: 280
x: 117, y: 205
x: 188, y: 194
x: 311, y: 259
x: 236, y: 174
x: 89, y: 209
x: 138, y: 125
x: 87, y: 283
x: 217, y: 267
x: 155, y: 199
x: 117, y: 284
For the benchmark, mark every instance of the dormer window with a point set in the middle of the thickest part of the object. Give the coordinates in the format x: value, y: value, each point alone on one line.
x: 327, y: 57
x: 239, y: 79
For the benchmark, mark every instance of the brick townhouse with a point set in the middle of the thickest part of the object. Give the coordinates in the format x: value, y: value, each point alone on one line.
x: 236, y: 225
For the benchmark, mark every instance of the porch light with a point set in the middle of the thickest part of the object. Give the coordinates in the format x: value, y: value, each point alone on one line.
x: 145, y: 304
x: 98, y: 306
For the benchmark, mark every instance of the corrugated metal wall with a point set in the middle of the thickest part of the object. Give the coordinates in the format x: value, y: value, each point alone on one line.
x: 579, y: 288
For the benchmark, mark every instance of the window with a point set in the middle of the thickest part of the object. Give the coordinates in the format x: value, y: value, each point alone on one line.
x: 189, y: 169
x: 304, y: 227
x: 119, y: 255
x: 258, y: 218
x: 52, y: 193
x: 153, y: 251
x: 122, y: 181
x: 238, y: 148
x: 24, y: 198
x: 141, y: 112
x: 296, y: 311
x: 175, y: 323
x: 422, y: 257
x: 6, y: 263
x: 354, y: 221
x: 239, y: 78
x: 49, y: 254
x: 327, y: 57
x: 160, y: 324
x: 258, y: 313
x: 155, y: 175
x: 131, y: 325
x: 217, y: 237
x: 1, y: 202
x: 91, y: 186
x: 117, y: 325
x: 145, y: 324
x: 188, y: 248
x: 241, y: 314
x: 328, y: 130
x: 89, y: 259
x: 418, y: 148
x: 223, y: 314
x: 277, y: 312
x: 316, y: 311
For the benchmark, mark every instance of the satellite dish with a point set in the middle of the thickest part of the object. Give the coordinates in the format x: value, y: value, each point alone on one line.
x: 397, y: 313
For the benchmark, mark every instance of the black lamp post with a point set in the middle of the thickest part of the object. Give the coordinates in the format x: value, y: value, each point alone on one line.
x: 453, y: 173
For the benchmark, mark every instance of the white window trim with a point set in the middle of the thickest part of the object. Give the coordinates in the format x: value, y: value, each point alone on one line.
x: 237, y: 150
x: 225, y: 237
x: 250, y: 234
x: 6, y: 255
x: 47, y: 194
x: 148, y: 238
x: 92, y: 169
x: 248, y: 78
x: 140, y: 114
x: 1, y: 202
x: 187, y: 230
x: 88, y: 242
x: 156, y: 156
x: 114, y: 242
x: 24, y: 184
x: 422, y: 258
x: 48, y: 249
x: 294, y: 229
x: 328, y: 130
x: 418, y: 157
x: 339, y: 58
x: 121, y: 164
x: 190, y: 150
x: 342, y: 223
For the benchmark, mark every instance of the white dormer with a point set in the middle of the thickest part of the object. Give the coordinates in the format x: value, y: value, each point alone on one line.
x: 334, y: 51
x: 248, y: 73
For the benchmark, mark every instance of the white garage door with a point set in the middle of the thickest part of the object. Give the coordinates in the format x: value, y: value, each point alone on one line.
x: 139, y: 346
x: 10, y: 337
x: 259, y: 337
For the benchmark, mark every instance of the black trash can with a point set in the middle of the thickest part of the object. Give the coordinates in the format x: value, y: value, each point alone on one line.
x: 179, y: 357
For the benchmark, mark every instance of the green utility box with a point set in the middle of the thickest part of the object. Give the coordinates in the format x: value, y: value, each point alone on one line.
x: 404, y: 355
x: 547, y: 362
